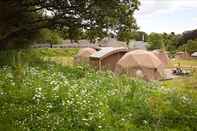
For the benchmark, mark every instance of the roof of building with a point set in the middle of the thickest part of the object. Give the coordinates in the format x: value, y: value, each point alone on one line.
x: 138, y: 45
x: 107, y: 51
x: 111, y: 42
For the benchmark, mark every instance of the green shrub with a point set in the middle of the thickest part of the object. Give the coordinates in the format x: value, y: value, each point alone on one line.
x: 49, y: 36
x: 29, y: 56
x: 190, y: 46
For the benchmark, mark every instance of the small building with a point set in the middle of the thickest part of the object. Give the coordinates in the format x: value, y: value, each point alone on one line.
x: 194, y: 55
x: 107, y: 58
x: 182, y: 55
x: 138, y: 45
x: 111, y: 42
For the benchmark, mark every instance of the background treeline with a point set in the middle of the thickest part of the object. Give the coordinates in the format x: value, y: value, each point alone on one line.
x: 187, y: 41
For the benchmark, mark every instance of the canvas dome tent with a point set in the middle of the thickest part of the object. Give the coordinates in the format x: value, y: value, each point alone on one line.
x: 140, y: 63
x: 83, y: 55
x: 194, y: 55
x: 162, y: 55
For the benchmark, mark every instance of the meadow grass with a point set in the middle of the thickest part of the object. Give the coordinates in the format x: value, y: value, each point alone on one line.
x: 183, y: 81
x: 45, y: 95
x: 183, y: 63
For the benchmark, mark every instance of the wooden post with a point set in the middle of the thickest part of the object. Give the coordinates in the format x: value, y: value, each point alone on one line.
x: 99, y: 64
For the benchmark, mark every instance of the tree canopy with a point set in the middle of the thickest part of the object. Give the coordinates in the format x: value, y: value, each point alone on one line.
x: 155, y: 40
x: 190, y: 46
x: 186, y: 36
x: 24, y: 18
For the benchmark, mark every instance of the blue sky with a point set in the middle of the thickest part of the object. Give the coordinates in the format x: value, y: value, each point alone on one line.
x: 167, y: 15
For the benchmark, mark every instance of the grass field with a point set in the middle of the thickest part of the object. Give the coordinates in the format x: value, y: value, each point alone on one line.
x: 40, y: 90
x: 184, y: 81
x: 192, y: 63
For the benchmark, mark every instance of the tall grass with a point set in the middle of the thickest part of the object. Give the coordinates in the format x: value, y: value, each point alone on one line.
x: 48, y: 96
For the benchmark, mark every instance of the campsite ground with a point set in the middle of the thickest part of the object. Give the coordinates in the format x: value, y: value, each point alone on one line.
x: 65, y: 57
x: 41, y: 89
x: 190, y: 63
x: 183, y: 81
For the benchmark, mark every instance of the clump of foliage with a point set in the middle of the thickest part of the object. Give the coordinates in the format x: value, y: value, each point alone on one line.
x: 163, y: 41
x: 33, y: 56
x: 155, y: 40
x: 49, y: 36
x: 186, y: 36
x: 190, y: 46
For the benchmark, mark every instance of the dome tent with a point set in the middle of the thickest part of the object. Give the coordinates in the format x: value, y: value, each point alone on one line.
x: 83, y: 55
x: 141, y: 62
x: 194, y: 55
x: 162, y: 55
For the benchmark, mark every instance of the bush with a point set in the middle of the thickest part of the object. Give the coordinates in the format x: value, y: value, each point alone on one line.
x: 49, y: 36
x: 30, y: 56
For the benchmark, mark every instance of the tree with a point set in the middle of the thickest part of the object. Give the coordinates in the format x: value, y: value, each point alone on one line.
x: 163, y: 41
x: 170, y: 41
x: 126, y: 36
x: 127, y: 25
x: 156, y: 41
x: 186, y: 36
x: 24, y: 18
x: 190, y: 46
x: 95, y: 33
x: 48, y: 36
x: 141, y: 36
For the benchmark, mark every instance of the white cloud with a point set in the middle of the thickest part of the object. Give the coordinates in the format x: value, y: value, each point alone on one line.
x: 156, y: 15
x: 153, y: 7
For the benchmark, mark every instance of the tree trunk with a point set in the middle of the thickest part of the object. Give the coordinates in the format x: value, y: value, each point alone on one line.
x: 3, y: 45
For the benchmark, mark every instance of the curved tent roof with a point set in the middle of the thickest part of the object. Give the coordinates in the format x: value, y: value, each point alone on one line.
x: 141, y: 58
x: 162, y: 55
x: 194, y: 54
x: 84, y: 54
x: 107, y: 51
x: 141, y: 61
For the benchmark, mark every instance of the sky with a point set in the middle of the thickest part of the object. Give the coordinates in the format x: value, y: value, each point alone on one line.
x: 167, y: 15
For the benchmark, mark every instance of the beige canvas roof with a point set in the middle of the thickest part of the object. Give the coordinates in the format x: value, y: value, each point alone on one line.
x: 162, y: 55
x: 140, y: 58
x: 84, y: 54
x: 141, y: 61
x: 194, y: 54
x: 107, y: 51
